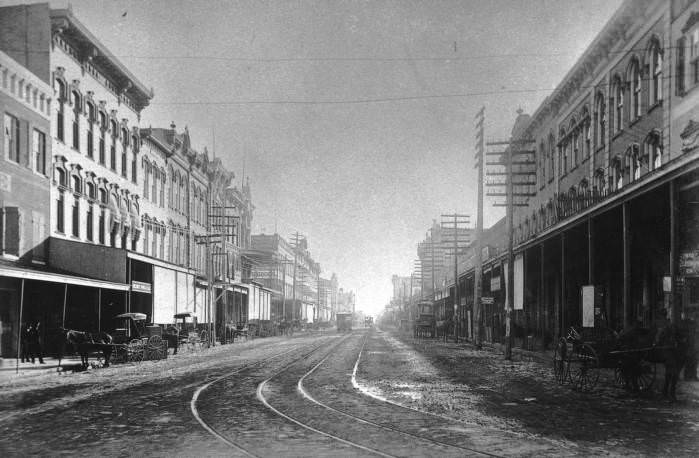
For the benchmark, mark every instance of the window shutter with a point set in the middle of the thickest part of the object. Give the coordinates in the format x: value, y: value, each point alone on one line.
x: 12, y: 230
x: 24, y: 144
x: 679, y: 83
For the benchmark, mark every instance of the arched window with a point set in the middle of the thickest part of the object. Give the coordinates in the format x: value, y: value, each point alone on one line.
x: 600, y: 120
x: 635, y: 82
x: 77, y: 185
x: 112, y: 147
x: 618, y: 89
x: 562, y: 152
x: 587, y: 132
x: 552, y: 148
x: 162, y: 188
x: 575, y: 143
x: 60, y: 132
x: 655, y: 66
x: 542, y: 163
x: 617, y: 173
x: 654, y: 150
x: 156, y: 178
x: 146, y: 178
x: 90, y: 129
x: 103, y: 129
x: 134, y: 155
x: 76, y: 119
x: 124, y: 148
x: 61, y: 177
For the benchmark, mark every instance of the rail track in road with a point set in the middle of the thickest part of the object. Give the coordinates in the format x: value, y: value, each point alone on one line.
x: 369, y: 421
x: 232, y: 436
x: 365, y: 433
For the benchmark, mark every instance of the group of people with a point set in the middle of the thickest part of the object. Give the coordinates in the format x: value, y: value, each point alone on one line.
x: 31, y: 346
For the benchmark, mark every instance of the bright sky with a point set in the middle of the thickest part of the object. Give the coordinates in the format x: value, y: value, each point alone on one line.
x: 362, y: 180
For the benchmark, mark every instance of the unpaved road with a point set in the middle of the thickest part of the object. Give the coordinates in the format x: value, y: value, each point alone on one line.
x: 323, y: 394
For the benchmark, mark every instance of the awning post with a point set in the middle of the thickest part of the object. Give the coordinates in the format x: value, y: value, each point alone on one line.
x: 65, y: 299
x: 19, y: 328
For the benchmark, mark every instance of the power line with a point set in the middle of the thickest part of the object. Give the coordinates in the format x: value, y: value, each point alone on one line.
x: 389, y: 99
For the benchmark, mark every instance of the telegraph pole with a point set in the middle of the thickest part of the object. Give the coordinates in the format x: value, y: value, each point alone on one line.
x: 478, y: 271
x: 523, y: 166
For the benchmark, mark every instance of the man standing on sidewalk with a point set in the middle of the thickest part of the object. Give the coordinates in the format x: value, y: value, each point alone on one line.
x: 35, y: 340
x: 25, y: 333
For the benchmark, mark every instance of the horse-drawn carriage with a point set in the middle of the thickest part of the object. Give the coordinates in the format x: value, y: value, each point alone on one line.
x: 131, y: 341
x: 187, y: 334
x: 632, y: 355
x: 137, y: 341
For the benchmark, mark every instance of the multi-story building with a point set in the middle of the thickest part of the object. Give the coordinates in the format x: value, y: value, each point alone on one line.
x: 291, y: 272
x: 614, y: 207
x: 129, y: 208
x: 94, y: 109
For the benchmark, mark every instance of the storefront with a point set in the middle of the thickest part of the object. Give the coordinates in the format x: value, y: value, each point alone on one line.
x: 57, y: 301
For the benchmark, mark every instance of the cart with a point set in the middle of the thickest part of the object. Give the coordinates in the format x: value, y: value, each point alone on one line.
x: 135, y: 341
x: 188, y: 336
x: 579, y: 357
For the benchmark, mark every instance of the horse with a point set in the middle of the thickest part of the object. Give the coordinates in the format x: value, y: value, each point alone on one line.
x: 671, y: 348
x: 83, y: 342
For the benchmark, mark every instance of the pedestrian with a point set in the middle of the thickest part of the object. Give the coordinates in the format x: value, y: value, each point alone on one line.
x: 690, y: 329
x: 37, y: 340
x: 24, y: 344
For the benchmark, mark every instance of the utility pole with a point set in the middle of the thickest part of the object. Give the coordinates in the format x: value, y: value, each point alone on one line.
x: 478, y: 271
x: 297, y: 238
x: 456, y: 225
x: 517, y: 161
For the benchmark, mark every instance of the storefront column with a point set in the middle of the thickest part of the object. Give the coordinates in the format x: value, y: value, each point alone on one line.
x: 542, y: 285
x: 65, y: 300
x: 626, y: 288
x: 673, y: 303
x: 561, y: 322
x: 590, y: 252
x: 19, y: 327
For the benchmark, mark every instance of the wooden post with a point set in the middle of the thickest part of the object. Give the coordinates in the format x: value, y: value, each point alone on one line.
x: 65, y: 299
x: 626, y: 242
x: 562, y: 305
x: 542, y: 285
x: 590, y: 252
x: 674, y: 312
x: 99, y: 309
x: 19, y: 328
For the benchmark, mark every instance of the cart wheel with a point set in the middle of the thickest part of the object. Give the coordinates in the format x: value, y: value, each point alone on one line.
x: 560, y: 362
x: 584, y: 370
x: 135, y: 350
x: 154, y: 349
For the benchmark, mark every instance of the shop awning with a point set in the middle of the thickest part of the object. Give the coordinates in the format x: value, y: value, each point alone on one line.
x: 45, y: 274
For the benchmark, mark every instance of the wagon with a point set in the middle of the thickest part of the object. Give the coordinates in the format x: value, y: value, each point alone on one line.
x: 579, y: 357
x: 136, y: 341
x: 185, y: 328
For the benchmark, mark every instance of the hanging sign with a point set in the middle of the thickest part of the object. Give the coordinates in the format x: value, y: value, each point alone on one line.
x: 140, y: 287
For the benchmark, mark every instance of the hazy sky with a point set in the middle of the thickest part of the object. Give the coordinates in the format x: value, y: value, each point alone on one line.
x: 362, y: 180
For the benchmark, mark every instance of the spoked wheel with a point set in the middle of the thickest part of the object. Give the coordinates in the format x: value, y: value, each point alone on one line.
x: 638, y: 376
x: 135, y: 350
x: 560, y: 362
x: 584, y: 368
x: 154, y: 348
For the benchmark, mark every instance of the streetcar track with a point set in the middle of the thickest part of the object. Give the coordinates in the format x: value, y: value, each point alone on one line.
x: 306, y: 395
x: 264, y: 401
x: 210, y: 429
